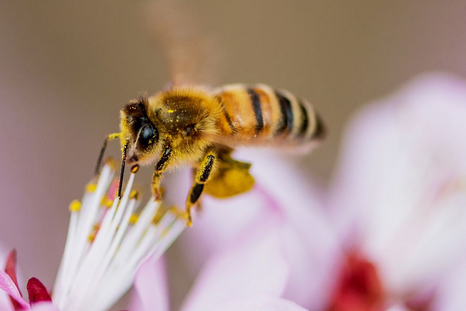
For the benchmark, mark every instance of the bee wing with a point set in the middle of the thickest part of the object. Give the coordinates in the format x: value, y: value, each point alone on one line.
x: 188, y: 53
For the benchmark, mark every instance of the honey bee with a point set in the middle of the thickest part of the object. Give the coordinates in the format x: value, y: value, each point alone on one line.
x: 199, y: 127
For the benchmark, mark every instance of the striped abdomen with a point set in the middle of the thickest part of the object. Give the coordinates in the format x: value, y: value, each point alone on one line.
x: 259, y: 114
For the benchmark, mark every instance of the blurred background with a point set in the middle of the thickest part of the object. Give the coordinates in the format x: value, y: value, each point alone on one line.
x: 67, y: 68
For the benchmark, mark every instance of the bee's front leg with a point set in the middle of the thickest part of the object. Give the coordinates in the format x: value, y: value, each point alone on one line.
x: 160, y: 167
x: 206, y: 170
x: 102, y: 151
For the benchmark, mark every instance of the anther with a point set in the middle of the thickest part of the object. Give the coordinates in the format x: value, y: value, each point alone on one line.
x: 189, y: 221
x: 94, y: 232
x: 91, y: 187
x: 133, y: 219
x: 134, y: 195
x: 135, y: 168
x: 179, y: 214
x: 75, y: 206
x: 110, y: 162
x: 158, y: 215
x: 106, y: 202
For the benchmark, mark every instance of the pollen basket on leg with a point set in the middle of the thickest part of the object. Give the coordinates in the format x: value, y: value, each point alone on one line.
x: 95, y: 273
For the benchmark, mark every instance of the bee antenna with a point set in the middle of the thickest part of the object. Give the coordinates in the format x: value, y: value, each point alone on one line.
x: 122, y: 171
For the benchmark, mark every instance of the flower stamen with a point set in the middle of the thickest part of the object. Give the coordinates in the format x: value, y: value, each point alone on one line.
x: 96, y: 272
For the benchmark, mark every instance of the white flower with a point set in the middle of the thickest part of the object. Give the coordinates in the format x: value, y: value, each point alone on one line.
x: 105, y: 246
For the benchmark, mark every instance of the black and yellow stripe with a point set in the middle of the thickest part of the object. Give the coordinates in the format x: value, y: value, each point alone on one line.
x: 256, y: 106
x: 260, y: 114
x: 286, y: 120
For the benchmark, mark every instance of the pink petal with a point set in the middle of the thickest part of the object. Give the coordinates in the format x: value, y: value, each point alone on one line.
x: 150, y: 287
x: 37, y: 291
x: 309, y: 243
x: 399, y: 182
x: 258, y: 303
x: 450, y: 294
x: 44, y: 306
x: 400, y: 308
x: 5, y: 300
x: 253, y: 264
x: 10, y: 269
x: 312, y: 248
x: 227, y: 218
x: 7, y: 285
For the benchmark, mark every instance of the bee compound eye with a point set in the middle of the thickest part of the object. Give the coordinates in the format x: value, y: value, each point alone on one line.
x: 148, y: 136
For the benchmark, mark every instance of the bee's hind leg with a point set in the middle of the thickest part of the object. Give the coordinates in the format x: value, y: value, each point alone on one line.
x: 232, y: 177
x: 206, y: 169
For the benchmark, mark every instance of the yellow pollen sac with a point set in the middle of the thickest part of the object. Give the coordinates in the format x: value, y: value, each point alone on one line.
x: 179, y: 214
x: 91, y: 187
x: 159, y: 215
x: 173, y: 210
x: 110, y: 162
x: 106, y: 202
x: 91, y: 237
x: 135, y: 169
x: 75, y: 206
x: 134, y: 195
x: 93, y: 234
x: 133, y: 219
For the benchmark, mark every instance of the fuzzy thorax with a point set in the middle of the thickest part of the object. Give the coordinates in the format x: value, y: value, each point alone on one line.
x: 183, y: 118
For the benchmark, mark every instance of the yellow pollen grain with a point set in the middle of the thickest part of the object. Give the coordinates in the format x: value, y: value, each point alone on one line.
x: 158, y: 216
x: 106, y: 202
x: 135, y: 169
x: 93, y: 234
x: 134, y: 195
x: 75, y: 206
x: 91, y: 237
x: 179, y: 214
x: 171, y: 111
x: 91, y: 187
x: 133, y: 219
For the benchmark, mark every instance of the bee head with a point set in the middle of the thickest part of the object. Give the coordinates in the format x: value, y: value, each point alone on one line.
x: 139, y: 132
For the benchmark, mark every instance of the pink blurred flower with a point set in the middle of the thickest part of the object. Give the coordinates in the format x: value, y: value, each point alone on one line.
x: 285, y: 209
x: 249, y: 273
x: 399, y: 201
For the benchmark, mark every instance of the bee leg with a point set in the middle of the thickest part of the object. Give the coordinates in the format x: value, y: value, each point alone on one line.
x: 160, y: 167
x: 232, y: 177
x: 102, y: 151
x: 207, y: 166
